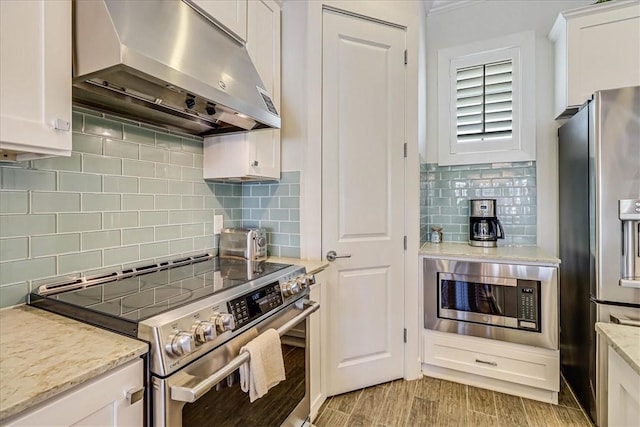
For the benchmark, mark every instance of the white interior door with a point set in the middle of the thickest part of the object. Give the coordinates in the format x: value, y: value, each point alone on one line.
x: 363, y: 135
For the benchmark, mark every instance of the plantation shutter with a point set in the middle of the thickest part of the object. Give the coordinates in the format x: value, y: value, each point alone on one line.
x: 484, y: 107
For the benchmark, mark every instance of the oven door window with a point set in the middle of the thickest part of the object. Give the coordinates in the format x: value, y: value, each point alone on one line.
x: 227, y: 405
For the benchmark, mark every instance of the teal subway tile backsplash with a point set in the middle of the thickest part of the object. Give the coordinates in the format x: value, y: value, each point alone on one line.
x: 14, y: 202
x: 112, y: 220
x: 76, y: 222
x: 445, y: 193
x: 79, y: 182
x: 14, y: 178
x: 14, y: 248
x: 128, y: 194
x: 139, y: 135
x: 55, y: 244
x: 278, y: 211
x: 55, y: 202
x: 102, y: 127
x: 26, y: 225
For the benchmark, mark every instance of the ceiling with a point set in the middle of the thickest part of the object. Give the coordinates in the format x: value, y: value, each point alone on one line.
x: 434, y: 7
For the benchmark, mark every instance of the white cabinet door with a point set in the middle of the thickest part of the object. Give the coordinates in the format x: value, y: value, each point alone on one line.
x: 318, y: 331
x: 254, y: 155
x: 230, y: 14
x: 596, y: 48
x: 35, y: 79
x: 102, y: 401
x: 624, y: 392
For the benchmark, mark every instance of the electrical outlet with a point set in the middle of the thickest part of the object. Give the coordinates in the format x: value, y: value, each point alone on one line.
x: 218, y: 221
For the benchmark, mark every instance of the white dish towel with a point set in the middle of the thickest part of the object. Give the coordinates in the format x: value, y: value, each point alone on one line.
x: 265, y: 369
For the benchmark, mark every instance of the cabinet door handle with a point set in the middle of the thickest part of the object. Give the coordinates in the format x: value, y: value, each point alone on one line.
x: 134, y: 395
x: 623, y: 320
x: 255, y: 163
x: 485, y: 362
x: 61, y: 124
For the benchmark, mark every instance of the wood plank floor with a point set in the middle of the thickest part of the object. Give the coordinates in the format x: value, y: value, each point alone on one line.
x: 434, y: 402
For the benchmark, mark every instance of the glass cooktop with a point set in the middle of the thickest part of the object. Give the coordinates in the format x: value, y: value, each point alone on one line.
x: 146, y: 295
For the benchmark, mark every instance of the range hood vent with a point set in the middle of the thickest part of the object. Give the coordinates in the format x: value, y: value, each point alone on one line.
x: 163, y: 63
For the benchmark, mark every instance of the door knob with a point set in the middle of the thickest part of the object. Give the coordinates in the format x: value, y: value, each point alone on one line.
x: 332, y: 256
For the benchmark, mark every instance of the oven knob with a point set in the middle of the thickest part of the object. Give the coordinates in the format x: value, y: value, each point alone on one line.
x: 310, y: 279
x: 302, y: 284
x: 287, y: 289
x: 204, y: 332
x: 223, y: 321
x: 291, y: 288
x: 180, y: 343
x: 261, y: 241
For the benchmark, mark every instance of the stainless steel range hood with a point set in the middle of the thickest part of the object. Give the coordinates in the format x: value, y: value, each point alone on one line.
x: 163, y: 63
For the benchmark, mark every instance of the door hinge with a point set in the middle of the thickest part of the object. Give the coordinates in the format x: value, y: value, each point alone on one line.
x: 405, y: 149
x: 405, y: 335
x: 405, y: 243
x: 405, y: 57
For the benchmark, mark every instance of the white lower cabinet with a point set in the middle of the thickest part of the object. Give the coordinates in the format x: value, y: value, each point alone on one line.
x: 103, y: 401
x: 318, y: 340
x: 623, y: 400
x: 509, y: 368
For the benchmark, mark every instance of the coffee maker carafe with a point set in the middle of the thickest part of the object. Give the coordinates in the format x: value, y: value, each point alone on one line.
x: 484, y: 226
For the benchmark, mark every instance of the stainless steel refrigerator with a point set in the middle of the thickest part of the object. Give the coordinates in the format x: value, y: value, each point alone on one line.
x: 599, y: 195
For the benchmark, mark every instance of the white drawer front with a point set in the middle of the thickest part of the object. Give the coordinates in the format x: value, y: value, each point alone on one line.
x: 503, y: 361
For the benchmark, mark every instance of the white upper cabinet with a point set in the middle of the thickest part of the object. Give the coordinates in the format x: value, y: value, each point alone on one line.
x: 596, y: 47
x: 35, y: 79
x: 230, y: 14
x: 254, y: 155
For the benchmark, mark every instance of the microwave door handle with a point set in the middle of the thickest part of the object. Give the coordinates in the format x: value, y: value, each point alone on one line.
x: 191, y: 394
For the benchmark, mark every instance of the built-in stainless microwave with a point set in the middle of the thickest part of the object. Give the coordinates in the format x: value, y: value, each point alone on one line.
x: 507, y: 302
x: 498, y: 301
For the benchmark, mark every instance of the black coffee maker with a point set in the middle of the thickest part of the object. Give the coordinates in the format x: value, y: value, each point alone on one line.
x: 484, y: 226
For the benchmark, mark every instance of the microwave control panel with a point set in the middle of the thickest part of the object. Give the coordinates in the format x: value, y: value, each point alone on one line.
x: 528, y: 305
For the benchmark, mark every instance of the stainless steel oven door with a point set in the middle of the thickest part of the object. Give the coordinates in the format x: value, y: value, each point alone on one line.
x: 207, y: 392
x: 460, y: 322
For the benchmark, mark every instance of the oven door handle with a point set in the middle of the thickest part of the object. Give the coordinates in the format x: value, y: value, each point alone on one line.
x: 191, y: 394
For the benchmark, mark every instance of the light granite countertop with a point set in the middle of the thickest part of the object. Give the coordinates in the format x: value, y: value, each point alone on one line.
x: 312, y: 266
x: 532, y: 255
x: 43, y: 354
x: 624, y: 339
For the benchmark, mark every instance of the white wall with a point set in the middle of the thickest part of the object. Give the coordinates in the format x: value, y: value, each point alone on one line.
x: 294, y: 84
x: 493, y: 19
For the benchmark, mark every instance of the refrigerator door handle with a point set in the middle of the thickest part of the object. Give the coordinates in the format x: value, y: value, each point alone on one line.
x: 623, y: 320
x: 629, y: 214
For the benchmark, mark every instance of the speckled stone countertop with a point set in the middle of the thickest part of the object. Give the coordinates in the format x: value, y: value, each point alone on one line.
x: 312, y: 266
x: 624, y: 339
x: 524, y: 254
x: 43, y: 354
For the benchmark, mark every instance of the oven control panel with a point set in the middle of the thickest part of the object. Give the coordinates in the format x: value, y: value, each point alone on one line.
x: 248, y: 307
x: 199, y: 327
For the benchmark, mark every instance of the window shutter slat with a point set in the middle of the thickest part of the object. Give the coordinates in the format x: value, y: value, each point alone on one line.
x: 484, y: 104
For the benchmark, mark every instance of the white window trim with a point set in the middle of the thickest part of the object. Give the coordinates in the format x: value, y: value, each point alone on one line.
x: 520, y: 48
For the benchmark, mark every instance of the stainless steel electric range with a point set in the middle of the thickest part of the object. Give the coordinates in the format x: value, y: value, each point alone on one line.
x: 196, y: 313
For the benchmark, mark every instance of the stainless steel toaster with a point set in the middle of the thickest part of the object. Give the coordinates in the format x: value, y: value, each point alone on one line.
x: 247, y: 243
